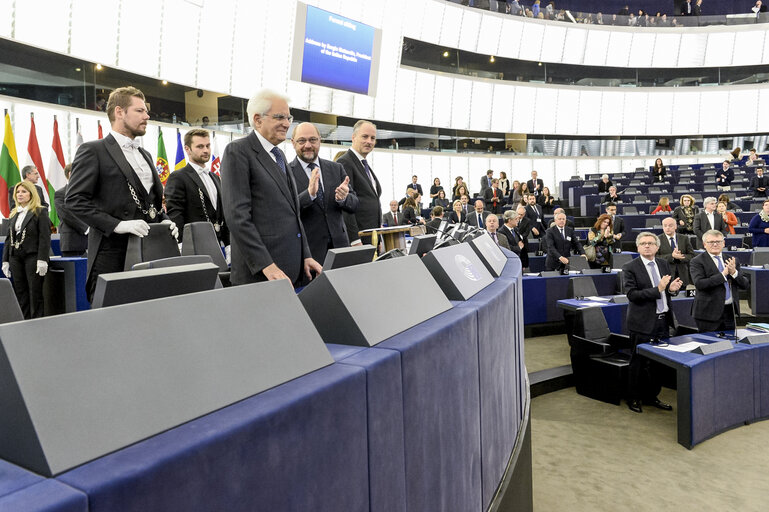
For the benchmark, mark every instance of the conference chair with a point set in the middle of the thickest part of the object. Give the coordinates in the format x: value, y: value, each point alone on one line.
x: 158, y: 244
x: 629, y: 210
x: 578, y: 263
x: 760, y: 256
x: 200, y: 238
x: 581, y: 287
x: 10, y: 312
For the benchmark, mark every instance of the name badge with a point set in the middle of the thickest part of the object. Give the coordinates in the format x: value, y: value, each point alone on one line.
x: 568, y: 239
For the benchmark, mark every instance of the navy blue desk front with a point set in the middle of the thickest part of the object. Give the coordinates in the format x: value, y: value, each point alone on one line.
x: 541, y: 295
x: 616, y: 314
x: 759, y: 283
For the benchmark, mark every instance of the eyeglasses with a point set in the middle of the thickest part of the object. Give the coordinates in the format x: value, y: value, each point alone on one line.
x: 311, y: 140
x: 715, y: 242
x: 280, y: 117
x: 646, y: 244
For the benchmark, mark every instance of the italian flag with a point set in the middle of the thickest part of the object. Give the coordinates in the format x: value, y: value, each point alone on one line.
x: 9, y: 167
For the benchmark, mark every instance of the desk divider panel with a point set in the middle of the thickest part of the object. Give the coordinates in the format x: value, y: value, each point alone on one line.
x: 459, y: 271
x: 78, y: 386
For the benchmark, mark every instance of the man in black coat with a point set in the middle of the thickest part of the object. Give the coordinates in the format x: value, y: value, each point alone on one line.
x: 514, y: 238
x: 617, y: 224
x: 718, y: 282
x: 536, y: 217
x: 194, y: 194
x: 324, y: 194
x: 676, y: 249
x: 524, y: 228
x: 535, y: 185
x: 115, y: 188
x: 561, y: 243
x: 494, y: 198
x: 648, y: 286
x: 759, y: 183
x: 73, y: 239
x: 363, y: 181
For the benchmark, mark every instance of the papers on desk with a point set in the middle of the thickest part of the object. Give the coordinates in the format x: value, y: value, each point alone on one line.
x: 594, y: 298
x: 683, y: 347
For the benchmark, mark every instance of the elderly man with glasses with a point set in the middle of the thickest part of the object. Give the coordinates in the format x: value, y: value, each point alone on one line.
x: 718, y: 281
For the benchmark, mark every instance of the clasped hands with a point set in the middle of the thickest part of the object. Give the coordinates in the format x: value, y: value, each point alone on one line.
x: 666, y: 283
x: 730, y: 267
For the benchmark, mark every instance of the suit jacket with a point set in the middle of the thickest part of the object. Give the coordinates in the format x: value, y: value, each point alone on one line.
x: 485, y: 183
x: 558, y: 246
x: 513, y: 237
x: 416, y: 187
x: 432, y: 226
x: 603, y: 188
x: 536, y: 218
x: 43, y: 201
x: 618, y: 226
x: 472, y: 218
x: 642, y: 296
x: 711, y: 292
x: 409, y: 216
x: 535, y: 188
x: 99, y: 196
x: 727, y: 179
x: 488, y: 197
x: 756, y: 182
x: 454, y: 219
x: 369, y: 212
x: 37, y: 239
x: 72, y: 237
x: 678, y: 268
x: 501, y: 240
x: 183, y: 203
x: 701, y: 224
x: 387, y: 219
x: 261, y: 205
x: 324, y: 223
x: 609, y: 199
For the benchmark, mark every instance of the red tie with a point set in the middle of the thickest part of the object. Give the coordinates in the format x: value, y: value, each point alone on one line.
x: 395, y: 218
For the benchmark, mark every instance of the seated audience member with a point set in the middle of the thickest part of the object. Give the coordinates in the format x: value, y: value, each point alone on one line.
x: 612, y: 196
x: 602, y: 238
x: 515, y: 239
x: 477, y: 217
x: 663, y: 206
x: 759, y: 227
x: 708, y: 219
x: 521, y: 195
x: 504, y: 184
x: 492, y: 224
x: 604, y: 184
x: 758, y: 183
x: 418, y: 201
x: 561, y: 243
x: 457, y: 215
x: 736, y: 154
x: 392, y: 218
x: 545, y: 200
x: 435, y: 189
x: 493, y: 197
x: 648, y: 285
x: 463, y: 191
x: 684, y: 214
x: 409, y: 212
x: 458, y: 182
x: 416, y: 186
x: 730, y: 219
x: 752, y: 157
x: 658, y: 172
x: 618, y: 225
x: 724, y: 176
x: 466, y: 207
x: 436, y: 217
x: 440, y: 199
x: 676, y: 249
x: 724, y: 198
x: 718, y: 281
x: 410, y: 193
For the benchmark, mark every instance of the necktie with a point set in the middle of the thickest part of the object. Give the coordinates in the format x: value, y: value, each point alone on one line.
x: 395, y: 219
x: 672, y: 242
x: 494, y: 236
x: 562, y: 234
x: 279, y: 159
x: 656, y: 282
x: 319, y: 195
x: 131, y: 144
x: 480, y: 220
x: 368, y: 172
x: 726, y: 283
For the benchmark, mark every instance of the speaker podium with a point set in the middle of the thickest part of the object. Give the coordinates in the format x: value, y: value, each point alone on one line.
x: 78, y: 386
x: 366, y: 304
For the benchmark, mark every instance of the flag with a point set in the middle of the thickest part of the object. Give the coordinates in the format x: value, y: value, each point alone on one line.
x: 161, y: 164
x: 180, y: 162
x: 9, y: 167
x: 33, y: 151
x: 216, y: 160
x: 79, y: 136
x: 56, y: 177
x: 98, y: 124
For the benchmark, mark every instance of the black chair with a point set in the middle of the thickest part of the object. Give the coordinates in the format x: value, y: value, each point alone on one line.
x: 581, y: 287
x: 640, y: 199
x: 158, y: 244
x: 200, y: 238
x: 618, y: 259
x: 760, y: 256
x: 578, y: 263
x: 599, y: 366
x: 653, y: 223
x: 629, y: 210
x: 10, y: 312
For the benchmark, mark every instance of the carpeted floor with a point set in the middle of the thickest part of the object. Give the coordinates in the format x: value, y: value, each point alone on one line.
x: 593, y: 456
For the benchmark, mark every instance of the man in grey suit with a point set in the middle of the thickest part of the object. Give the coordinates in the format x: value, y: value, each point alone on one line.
x: 472, y: 218
x: 363, y: 181
x: 72, y: 231
x: 260, y: 199
x: 325, y: 193
x: 708, y: 219
x: 392, y: 218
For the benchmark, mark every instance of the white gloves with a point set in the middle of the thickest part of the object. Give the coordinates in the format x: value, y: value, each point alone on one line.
x: 42, y: 267
x: 172, y: 226
x: 228, y: 254
x: 7, y: 269
x: 133, y: 227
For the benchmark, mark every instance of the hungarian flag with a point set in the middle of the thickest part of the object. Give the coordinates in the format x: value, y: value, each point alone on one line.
x: 56, y: 177
x: 9, y: 167
x: 216, y: 160
x: 180, y: 162
x: 161, y: 164
x: 98, y: 124
x: 33, y: 152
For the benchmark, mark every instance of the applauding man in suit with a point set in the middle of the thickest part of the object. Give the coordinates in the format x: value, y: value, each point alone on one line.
x: 114, y: 187
x: 324, y: 193
x: 561, y: 242
x: 648, y: 285
x: 759, y: 183
x: 676, y: 250
x: 194, y: 194
x: 261, y: 202
x: 718, y: 282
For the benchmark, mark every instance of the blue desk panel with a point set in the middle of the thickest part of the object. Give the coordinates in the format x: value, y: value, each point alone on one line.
x: 616, y: 314
x: 541, y: 294
x: 759, y: 285
x: 45, y: 496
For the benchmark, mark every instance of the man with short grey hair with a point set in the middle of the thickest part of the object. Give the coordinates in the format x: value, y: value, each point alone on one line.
x: 708, y: 219
x: 29, y: 173
x: 676, y: 250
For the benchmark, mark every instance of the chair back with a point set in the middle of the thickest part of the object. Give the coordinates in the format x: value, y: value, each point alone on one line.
x: 591, y: 324
x: 581, y: 287
x: 174, y: 261
x: 158, y: 244
x: 200, y: 239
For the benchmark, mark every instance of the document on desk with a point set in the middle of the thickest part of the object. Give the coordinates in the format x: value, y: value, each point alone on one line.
x: 683, y: 347
x: 594, y: 298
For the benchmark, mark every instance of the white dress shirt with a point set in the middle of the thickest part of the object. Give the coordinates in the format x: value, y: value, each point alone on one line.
x: 205, y: 177
x: 130, y: 148
x: 20, y: 218
x: 651, y: 278
x: 723, y: 263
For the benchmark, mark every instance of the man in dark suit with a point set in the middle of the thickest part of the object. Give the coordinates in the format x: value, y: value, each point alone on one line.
x: 486, y: 181
x: 524, y: 228
x: 759, y: 183
x: 676, y: 249
x: 698, y: 8
x: 494, y: 198
x: 561, y: 243
x: 194, y: 194
x: 436, y: 217
x: 535, y: 185
x: 478, y: 217
x: 414, y: 185
x: 514, y: 238
x: 392, y: 218
x: 708, y: 219
x: 492, y: 227
x: 29, y: 173
x: 718, y: 282
x: 363, y: 181
x: 612, y: 196
x: 536, y: 218
x: 115, y: 188
x: 724, y: 176
x: 648, y: 285
x: 261, y: 203
x: 618, y: 225
x: 325, y: 193
x: 72, y: 231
